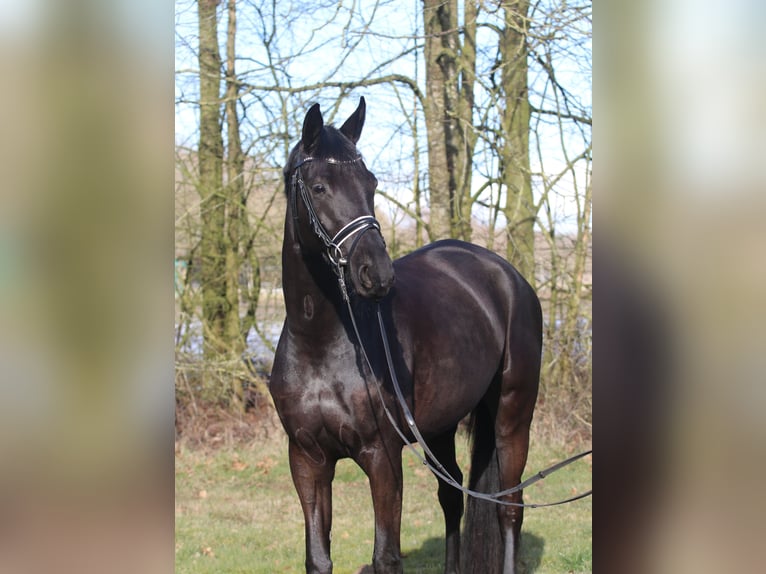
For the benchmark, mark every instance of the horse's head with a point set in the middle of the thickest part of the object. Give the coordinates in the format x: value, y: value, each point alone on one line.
x: 331, y: 197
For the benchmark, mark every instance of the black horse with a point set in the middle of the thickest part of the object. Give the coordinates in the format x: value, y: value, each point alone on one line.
x: 465, y: 332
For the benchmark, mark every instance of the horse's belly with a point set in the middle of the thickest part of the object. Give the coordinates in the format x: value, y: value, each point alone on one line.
x: 448, y: 395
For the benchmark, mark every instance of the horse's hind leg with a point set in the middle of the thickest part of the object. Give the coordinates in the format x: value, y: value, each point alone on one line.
x: 519, y: 382
x: 451, y: 500
x: 514, y: 417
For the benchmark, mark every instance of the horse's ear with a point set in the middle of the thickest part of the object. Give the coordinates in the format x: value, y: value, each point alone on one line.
x: 312, y: 127
x: 352, y: 128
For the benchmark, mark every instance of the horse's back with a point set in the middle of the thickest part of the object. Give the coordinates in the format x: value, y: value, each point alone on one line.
x: 452, y: 272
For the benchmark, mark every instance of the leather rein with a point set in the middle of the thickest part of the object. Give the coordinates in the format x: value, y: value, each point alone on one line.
x: 357, y: 227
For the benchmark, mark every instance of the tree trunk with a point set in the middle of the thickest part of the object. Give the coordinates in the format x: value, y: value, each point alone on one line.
x: 437, y: 19
x: 465, y: 135
x: 213, y: 204
x: 450, y: 75
x: 519, y: 209
x: 236, y: 214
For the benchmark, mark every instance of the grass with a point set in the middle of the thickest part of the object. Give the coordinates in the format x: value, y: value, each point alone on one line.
x: 236, y: 511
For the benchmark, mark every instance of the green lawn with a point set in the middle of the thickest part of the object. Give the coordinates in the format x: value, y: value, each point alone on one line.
x: 236, y: 511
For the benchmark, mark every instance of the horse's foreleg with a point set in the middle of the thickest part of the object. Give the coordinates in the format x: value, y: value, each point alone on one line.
x: 313, y: 482
x: 383, y: 466
x: 451, y: 501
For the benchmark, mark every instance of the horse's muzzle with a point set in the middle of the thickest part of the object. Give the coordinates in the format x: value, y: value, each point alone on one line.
x: 375, y: 282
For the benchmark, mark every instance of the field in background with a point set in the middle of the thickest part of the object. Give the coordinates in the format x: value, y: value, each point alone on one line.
x: 236, y: 509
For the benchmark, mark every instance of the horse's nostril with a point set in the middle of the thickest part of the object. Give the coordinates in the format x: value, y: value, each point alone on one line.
x: 364, y: 276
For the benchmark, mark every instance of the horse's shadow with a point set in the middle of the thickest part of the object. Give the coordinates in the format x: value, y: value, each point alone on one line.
x: 429, y: 558
x: 531, y: 552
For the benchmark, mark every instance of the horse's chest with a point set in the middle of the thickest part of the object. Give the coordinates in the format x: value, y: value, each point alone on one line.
x: 320, y: 409
x: 318, y: 398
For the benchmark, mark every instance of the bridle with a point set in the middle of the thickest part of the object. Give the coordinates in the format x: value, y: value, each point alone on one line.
x: 333, y: 244
x: 355, y: 228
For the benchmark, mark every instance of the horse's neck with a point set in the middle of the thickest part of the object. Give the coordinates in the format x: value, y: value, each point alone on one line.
x: 312, y: 297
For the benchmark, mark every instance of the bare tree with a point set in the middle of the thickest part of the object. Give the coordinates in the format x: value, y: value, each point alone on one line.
x: 450, y: 59
x: 520, y: 210
x: 479, y: 103
x: 212, y: 271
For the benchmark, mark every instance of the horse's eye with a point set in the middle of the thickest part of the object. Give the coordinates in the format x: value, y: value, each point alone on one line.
x: 318, y: 188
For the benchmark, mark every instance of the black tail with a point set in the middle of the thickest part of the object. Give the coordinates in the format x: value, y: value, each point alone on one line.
x: 483, y: 546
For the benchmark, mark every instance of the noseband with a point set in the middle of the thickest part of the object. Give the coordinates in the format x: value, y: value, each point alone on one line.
x: 354, y: 228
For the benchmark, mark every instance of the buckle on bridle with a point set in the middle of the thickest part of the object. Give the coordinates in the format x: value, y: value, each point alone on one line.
x: 335, y: 254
